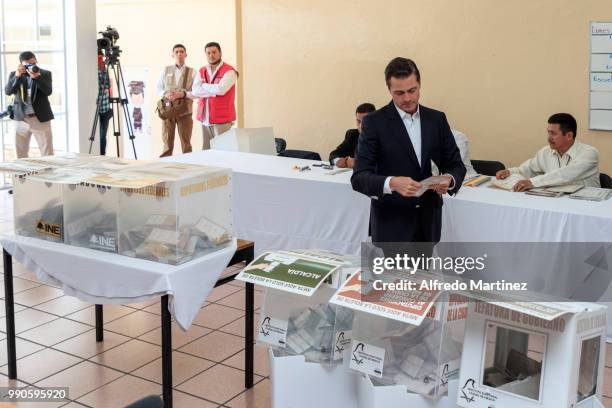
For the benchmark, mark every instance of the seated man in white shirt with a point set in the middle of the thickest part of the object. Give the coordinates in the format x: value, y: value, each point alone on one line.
x: 564, y: 161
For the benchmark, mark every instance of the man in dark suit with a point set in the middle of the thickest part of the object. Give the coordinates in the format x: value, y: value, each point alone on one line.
x: 395, y: 151
x: 32, y: 113
x: 344, y: 154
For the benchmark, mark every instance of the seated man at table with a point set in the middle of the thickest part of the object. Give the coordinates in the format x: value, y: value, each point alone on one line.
x: 563, y: 161
x: 344, y: 155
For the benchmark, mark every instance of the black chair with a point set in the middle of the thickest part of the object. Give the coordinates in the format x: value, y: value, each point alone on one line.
x: 605, y: 180
x: 281, y: 144
x: 487, y: 167
x: 301, y: 154
x: 152, y: 401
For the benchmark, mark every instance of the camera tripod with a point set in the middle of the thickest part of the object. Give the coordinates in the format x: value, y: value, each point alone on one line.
x: 116, y: 103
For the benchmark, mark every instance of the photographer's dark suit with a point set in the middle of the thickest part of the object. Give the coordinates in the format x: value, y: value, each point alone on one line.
x: 385, y: 150
x: 37, y: 123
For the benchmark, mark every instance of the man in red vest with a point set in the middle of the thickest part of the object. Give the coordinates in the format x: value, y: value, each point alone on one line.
x: 216, y: 88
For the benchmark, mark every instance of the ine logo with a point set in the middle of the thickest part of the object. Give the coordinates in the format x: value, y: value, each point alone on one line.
x: 264, y: 323
x: 464, y: 395
x: 356, y: 358
x: 339, y: 342
x: 54, y: 230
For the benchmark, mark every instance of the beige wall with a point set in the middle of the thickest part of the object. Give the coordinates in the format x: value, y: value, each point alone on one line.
x: 497, y: 68
x: 149, y: 29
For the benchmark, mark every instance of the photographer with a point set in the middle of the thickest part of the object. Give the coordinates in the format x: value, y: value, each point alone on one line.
x: 32, y: 113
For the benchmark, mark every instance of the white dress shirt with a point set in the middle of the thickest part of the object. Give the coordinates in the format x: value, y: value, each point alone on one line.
x: 412, y: 123
x: 203, y: 90
x: 579, y: 165
x: 178, y: 79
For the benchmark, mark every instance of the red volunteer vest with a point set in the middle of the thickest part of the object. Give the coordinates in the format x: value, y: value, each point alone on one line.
x: 221, y: 107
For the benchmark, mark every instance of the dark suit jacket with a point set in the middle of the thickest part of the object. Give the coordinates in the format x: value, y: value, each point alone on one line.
x: 385, y: 150
x: 347, y: 147
x: 41, y: 90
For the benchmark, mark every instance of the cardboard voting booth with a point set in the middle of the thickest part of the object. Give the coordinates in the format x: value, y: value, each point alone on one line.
x: 249, y: 140
x: 532, y: 354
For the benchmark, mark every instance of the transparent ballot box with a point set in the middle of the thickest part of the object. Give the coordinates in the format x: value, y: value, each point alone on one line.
x: 299, y: 325
x: 296, y: 317
x: 38, y: 201
x: 39, y: 188
x: 38, y: 208
x: 164, y: 212
x: 412, y: 338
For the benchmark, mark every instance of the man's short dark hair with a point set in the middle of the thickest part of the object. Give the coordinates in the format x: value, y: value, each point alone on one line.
x: 400, y: 67
x: 26, y: 55
x: 213, y: 44
x: 566, y: 122
x: 365, y: 108
x: 179, y: 46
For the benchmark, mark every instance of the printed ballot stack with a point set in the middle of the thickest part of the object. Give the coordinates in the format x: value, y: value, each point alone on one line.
x: 368, y: 347
x: 163, y: 212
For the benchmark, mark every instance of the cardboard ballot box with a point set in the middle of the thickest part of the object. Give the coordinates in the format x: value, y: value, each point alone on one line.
x: 297, y: 383
x: 163, y: 212
x: 408, y: 338
x: 296, y: 316
x: 38, y: 195
x: 528, y: 354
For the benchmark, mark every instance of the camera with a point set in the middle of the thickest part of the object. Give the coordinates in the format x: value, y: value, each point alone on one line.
x: 107, y: 44
x: 8, y: 112
x: 32, y: 67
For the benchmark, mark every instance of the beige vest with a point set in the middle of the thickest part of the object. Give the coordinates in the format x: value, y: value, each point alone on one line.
x: 185, y: 85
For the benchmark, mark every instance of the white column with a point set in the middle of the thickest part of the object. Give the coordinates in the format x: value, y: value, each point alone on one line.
x: 82, y: 76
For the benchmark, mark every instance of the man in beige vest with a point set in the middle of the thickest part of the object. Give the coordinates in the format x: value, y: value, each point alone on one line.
x: 175, y: 83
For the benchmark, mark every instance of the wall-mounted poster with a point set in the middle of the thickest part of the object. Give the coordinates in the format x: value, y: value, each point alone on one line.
x: 138, y: 95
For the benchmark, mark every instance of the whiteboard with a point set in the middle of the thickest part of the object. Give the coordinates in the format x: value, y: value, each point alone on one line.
x: 600, y: 75
x: 601, y: 62
x: 601, y: 119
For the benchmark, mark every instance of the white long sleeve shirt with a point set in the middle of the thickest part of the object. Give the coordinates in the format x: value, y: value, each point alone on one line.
x: 579, y: 165
x: 203, y: 90
x: 178, y: 75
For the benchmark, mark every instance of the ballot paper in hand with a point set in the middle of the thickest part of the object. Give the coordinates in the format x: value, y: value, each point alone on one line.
x: 429, y: 183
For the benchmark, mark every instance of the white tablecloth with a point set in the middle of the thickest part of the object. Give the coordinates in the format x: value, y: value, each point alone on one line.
x: 493, y: 215
x: 98, y: 277
x: 281, y: 208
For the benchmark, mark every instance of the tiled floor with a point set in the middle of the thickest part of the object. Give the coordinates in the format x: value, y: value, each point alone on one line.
x: 56, y: 347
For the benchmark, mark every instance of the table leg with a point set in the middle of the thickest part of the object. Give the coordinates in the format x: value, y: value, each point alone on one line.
x: 248, y: 335
x: 99, y: 323
x: 166, y: 328
x: 9, y: 304
x: 249, y: 327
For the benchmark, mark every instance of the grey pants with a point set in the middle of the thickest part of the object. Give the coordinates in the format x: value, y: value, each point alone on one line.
x: 210, y: 131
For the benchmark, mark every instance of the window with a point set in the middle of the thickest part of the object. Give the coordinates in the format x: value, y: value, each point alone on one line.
x: 589, y: 367
x: 37, y: 26
x: 513, y: 360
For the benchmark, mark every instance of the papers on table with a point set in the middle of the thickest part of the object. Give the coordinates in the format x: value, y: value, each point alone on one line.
x: 508, y: 182
x: 555, y: 191
x: 592, y: 194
